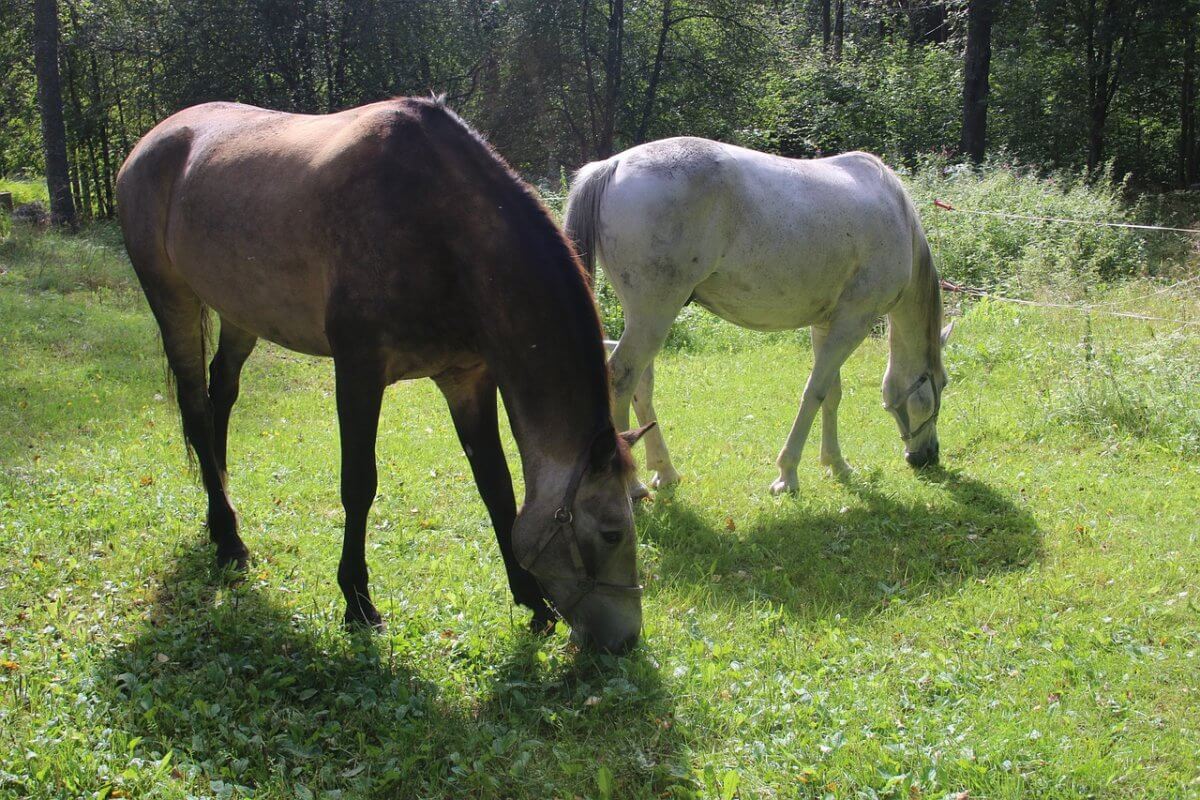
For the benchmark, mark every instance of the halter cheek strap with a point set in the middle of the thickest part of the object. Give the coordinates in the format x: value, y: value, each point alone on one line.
x: 564, y: 523
x: 900, y: 407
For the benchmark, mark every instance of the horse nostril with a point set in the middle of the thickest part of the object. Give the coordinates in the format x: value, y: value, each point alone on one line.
x: 921, y: 459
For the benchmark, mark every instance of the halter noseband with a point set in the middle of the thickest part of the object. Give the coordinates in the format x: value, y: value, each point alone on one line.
x: 900, y: 409
x: 564, y: 518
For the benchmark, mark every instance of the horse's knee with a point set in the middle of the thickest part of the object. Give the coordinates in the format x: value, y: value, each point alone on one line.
x: 833, y: 396
x: 358, y: 493
x: 624, y: 380
x: 813, y: 398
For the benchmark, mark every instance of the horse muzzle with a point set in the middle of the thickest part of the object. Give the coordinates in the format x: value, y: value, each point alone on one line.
x: 607, y: 625
x: 925, y: 457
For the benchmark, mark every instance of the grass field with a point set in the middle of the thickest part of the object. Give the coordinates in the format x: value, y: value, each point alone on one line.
x: 1024, y: 622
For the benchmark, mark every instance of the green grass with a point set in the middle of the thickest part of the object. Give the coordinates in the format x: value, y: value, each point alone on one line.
x: 25, y: 190
x: 1022, y: 623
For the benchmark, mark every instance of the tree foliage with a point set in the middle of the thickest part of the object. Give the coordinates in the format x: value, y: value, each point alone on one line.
x: 554, y: 83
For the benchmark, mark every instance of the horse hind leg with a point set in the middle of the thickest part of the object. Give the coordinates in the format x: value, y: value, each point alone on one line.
x: 658, y: 459
x: 181, y: 320
x: 224, y: 383
x: 831, y: 452
x: 643, y: 337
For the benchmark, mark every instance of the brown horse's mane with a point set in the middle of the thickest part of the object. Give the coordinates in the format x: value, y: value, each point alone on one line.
x: 438, y: 102
x: 569, y: 275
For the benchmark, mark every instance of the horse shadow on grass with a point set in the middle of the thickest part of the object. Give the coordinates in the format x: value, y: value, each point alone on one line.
x: 871, y: 552
x: 254, y: 696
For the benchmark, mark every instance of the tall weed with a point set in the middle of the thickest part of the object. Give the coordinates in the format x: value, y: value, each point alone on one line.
x: 1030, y: 258
x: 1144, y: 387
x: 92, y: 260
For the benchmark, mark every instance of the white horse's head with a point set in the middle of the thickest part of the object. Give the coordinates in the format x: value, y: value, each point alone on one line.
x: 912, y: 393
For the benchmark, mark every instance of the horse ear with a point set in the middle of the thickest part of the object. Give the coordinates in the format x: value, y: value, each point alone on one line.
x: 946, y: 331
x: 631, y: 437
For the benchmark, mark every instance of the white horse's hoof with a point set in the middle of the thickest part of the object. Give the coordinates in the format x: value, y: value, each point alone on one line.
x: 840, y: 468
x: 665, y: 477
x: 785, y: 485
x: 638, y: 491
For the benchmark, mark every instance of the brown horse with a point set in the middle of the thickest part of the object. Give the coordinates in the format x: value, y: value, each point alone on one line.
x: 394, y: 240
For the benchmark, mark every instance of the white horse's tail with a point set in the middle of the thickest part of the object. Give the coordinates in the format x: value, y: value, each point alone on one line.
x: 581, y: 220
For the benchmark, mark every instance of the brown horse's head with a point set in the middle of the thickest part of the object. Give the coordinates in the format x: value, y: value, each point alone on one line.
x: 582, y: 548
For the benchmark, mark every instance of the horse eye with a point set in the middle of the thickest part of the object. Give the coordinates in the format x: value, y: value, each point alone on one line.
x: 612, y: 537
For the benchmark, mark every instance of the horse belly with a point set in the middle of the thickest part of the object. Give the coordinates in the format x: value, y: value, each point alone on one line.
x: 271, y: 295
x: 762, y: 303
x: 252, y: 255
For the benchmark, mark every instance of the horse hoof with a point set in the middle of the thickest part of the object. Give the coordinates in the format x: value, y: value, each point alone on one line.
x: 542, y: 624
x: 840, y: 469
x: 236, y: 560
x: 638, y: 491
x: 364, y: 619
x: 665, y: 478
x: 784, y: 486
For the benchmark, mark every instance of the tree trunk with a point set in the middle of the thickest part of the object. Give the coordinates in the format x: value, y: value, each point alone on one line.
x: 1108, y: 38
x: 826, y: 25
x: 839, y: 30
x: 975, y: 78
x: 54, y: 131
x: 1189, y: 168
x: 613, y: 58
x: 656, y: 74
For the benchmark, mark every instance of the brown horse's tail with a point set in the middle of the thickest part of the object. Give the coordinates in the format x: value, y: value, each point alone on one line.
x: 581, y: 220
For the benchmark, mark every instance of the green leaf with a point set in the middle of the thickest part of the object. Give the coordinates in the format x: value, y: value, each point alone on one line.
x: 604, y: 782
x: 729, y: 784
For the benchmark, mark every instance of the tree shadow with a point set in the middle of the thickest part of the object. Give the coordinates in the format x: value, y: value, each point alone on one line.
x: 872, y: 552
x: 248, y: 692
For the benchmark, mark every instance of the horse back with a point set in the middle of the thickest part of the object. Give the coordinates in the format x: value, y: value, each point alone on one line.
x: 763, y: 241
x: 267, y: 217
x: 392, y: 219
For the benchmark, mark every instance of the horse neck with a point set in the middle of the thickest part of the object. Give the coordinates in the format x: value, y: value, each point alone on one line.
x: 550, y: 365
x: 913, y: 326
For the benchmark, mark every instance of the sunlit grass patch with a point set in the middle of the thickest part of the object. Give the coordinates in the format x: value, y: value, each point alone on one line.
x: 1022, y: 622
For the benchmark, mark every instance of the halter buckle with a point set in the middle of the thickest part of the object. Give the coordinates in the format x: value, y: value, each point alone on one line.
x: 564, y: 516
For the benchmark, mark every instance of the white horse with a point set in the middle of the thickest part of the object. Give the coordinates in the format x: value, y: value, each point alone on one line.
x: 768, y: 243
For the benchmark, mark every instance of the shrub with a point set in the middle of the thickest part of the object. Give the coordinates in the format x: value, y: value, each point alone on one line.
x: 1027, y: 258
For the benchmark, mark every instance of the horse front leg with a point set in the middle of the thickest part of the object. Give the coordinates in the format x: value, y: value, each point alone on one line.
x: 471, y: 397
x: 839, y: 342
x: 831, y: 452
x: 359, y: 386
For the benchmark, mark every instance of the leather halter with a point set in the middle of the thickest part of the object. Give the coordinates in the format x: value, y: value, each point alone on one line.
x: 900, y: 407
x: 585, y: 576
